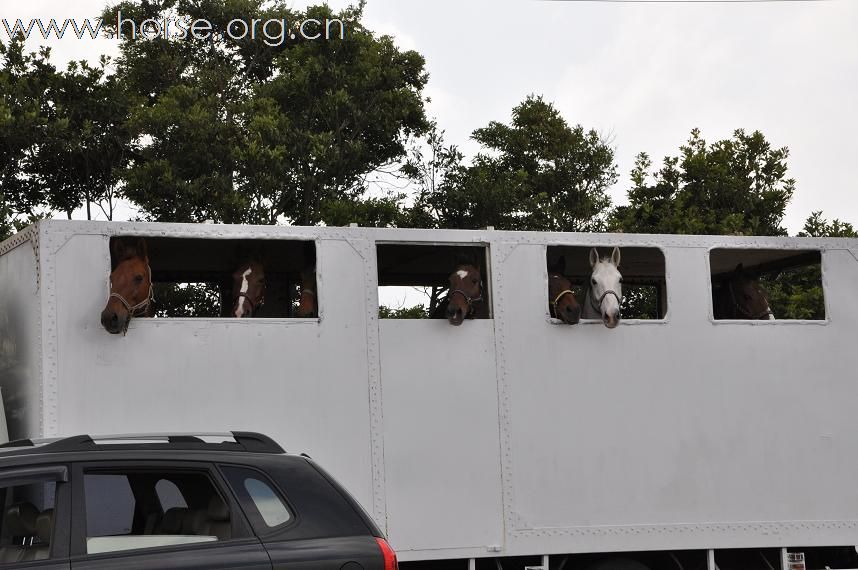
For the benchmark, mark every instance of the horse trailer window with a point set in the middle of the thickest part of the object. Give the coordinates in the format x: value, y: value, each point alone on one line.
x: 767, y: 284
x: 211, y: 278
x: 639, y: 277
x: 414, y: 281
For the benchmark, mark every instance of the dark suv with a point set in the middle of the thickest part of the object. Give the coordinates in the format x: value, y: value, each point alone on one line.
x: 178, y: 501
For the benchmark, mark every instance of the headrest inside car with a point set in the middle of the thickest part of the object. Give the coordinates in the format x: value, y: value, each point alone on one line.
x: 20, y: 519
x: 44, y: 524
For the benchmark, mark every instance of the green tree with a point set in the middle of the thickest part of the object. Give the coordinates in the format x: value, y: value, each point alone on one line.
x: 188, y: 300
x: 81, y: 157
x: 537, y: 173
x: 817, y: 226
x: 415, y: 312
x: 734, y: 186
x: 243, y: 131
x: 797, y: 293
x: 62, y: 139
x: 23, y: 120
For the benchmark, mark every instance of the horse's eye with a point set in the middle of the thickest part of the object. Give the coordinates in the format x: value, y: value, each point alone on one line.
x: 621, y: 279
x: 138, y: 278
x: 593, y: 281
x: 474, y: 281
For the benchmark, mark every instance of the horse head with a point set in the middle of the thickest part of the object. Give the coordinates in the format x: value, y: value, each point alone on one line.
x: 131, y: 291
x: 248, y: 289
x: 605, y: 288
x: 562, y: 304
x: 465, y: 289
x: 742, y: 297
x: 307, y: 302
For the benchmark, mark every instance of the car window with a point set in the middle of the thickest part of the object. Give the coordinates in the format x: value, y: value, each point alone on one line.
x: 27, y: 524
x: 109, y: 505
x: 264, y: 506
x: 128, y: 510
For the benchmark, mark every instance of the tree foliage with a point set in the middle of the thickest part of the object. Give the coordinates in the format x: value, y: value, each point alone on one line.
x: 243, y: 131
x: 797, y: 293
x: 736, y: 186
x: 22, y: 122
x: 62, y: 138
x: 817, y: 226
x: 187, y: 300
x: 537, y: 173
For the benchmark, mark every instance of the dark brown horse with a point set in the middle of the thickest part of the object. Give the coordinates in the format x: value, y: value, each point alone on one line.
x: 740, y: 296
x: 465, y: 299
x: 308, y: 306
x: 561, y: 300
x: 248, y: 289
x: 131, y: 291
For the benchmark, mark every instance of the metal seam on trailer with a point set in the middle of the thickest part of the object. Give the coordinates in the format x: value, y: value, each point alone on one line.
x: 49, y: 396
x: 376, y: 403
x: 501, y: 251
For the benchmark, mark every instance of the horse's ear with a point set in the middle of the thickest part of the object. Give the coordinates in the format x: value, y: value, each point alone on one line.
x: 594, y: 257
x: 615, y: 257
x: 740, y: 269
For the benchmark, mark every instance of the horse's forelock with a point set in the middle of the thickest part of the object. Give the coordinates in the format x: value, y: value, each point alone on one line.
x: 123, y: 249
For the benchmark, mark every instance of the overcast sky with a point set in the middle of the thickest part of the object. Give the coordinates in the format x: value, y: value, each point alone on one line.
x: 643, y: 74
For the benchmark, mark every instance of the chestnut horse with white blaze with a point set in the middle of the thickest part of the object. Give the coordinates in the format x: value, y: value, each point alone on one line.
x: 248, y: 289
x: 465, y: 299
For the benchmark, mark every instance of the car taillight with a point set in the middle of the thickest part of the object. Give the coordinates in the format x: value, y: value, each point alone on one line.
x: 388, y: 554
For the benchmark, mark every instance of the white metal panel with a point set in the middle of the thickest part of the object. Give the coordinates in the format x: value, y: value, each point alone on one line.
x: 20, y: 335
x: 303, y: 382
x: 441, y: 435
x: 681, y: 426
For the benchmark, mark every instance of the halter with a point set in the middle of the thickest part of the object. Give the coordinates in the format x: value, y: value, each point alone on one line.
x: 742, y: 310
x: 598, y: 307
x: 557, y: 300
x: 141, y: 307
x: 469, y: 300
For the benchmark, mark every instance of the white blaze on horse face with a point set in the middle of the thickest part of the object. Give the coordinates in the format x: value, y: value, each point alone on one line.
x: 239, y: 310
x: 462, y: 273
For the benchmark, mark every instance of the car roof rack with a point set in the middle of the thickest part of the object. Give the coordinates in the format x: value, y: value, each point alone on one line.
x: 240, y: 441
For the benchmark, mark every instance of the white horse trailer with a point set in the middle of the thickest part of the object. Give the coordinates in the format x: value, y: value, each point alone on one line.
x: 514, y: 441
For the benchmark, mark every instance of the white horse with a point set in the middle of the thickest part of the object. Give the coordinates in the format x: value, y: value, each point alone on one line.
x: 602, y: 300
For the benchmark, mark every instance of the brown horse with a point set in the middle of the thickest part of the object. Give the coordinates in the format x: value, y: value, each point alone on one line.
x: 307, y: 302
x: 248, y: 289
x: 740, y: 296
x: 561, y: 300
x: 131, y: 291
x: 465, y: 299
